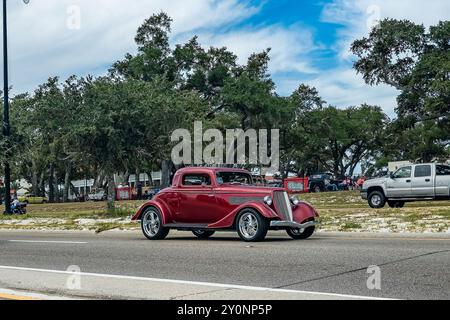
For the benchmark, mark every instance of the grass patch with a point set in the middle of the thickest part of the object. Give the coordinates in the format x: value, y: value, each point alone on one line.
x: 350, y: 226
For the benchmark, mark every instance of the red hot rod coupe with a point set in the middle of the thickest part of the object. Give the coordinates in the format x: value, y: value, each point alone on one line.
x: 205, y: 200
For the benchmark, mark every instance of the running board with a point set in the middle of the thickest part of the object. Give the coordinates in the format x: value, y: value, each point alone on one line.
x: 411, y: 199
x: 186, y: 226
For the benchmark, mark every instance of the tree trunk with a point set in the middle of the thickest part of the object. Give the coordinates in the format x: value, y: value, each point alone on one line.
x: 41, y: 189
x: 137, y: 184
x: 51, y: 184
x: 34, y: 178
x: 150, y: 179
x: 165, y: 177
x: 111, y: 192
x: 67, y: 182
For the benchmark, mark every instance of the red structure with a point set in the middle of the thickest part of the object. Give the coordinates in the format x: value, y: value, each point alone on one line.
x: 296, y: 185
x: 124, y: 193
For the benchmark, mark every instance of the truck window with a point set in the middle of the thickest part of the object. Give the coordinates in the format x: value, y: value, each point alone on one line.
x: 422, y: 171
x: 404, y: 173
x: 442, y: 170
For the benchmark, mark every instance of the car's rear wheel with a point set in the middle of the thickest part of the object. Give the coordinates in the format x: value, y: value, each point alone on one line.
x: 301, y: 234
x: 251, y: 226
x: 203, y: 234
x: 151, y: 224
x: 377, y: 200
x: 396, y: 204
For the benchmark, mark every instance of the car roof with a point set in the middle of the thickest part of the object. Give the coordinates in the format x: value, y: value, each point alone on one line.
x: 211, y: 170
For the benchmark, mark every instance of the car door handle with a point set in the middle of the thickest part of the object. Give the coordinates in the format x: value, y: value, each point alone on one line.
x: 408, y: 181
x: 427, y: 180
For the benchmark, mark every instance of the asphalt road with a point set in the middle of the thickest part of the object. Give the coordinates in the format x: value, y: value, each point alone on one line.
x: 328, y: 266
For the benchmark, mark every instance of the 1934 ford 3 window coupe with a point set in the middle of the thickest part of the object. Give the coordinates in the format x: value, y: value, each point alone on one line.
x: 205, y: 200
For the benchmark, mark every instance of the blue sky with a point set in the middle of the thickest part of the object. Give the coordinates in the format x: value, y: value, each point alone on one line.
x: 309, y: 39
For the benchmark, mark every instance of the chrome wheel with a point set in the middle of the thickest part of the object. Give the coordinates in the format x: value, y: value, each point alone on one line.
x: 376, y: 200
x: 151, y: 223
x: 248, y: 225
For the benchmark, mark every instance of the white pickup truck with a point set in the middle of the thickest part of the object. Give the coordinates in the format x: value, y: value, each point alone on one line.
x: 419, y: 182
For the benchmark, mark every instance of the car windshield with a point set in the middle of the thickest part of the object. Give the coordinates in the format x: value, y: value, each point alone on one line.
x: 239, y: 178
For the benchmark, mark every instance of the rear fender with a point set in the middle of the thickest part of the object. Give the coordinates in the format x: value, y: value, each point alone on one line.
x: 229, y: 220
x: 165, y: 212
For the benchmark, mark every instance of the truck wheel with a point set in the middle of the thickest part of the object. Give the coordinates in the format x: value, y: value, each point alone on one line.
x: 396, y: 204
x: 251, y: 227
x: 377, y: 200
x: 296, y: 234
x: 151, y: 224
x: 203, y: 234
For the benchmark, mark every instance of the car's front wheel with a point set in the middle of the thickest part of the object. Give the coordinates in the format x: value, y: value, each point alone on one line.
x: 151, y: 224
x: 251, y: 226
x: 377, y: 200
x: 301, y: 234
x: 203, y: 234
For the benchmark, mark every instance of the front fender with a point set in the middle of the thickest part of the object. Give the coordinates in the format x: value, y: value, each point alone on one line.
x: 160, y: 206
x: 304, y: 212
x: 229, y: 220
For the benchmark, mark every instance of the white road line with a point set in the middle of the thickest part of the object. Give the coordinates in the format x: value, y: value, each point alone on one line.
x: 192, y: 283
x: 49, y: 242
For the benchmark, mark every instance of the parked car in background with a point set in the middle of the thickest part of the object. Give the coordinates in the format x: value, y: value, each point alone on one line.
x: 322, y: 182
x: 419, y: 182
x: 97, y: 195
x: 32, y: 199
x: 205, y: 200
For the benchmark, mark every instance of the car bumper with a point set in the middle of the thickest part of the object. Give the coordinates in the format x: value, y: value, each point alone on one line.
x: 293, y: 225
x: 364, y: 194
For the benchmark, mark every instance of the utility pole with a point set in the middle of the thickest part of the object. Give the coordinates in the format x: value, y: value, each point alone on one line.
x: 6, y: 125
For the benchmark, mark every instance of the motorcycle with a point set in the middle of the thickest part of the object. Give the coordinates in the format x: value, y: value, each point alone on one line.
x: 20, y: 209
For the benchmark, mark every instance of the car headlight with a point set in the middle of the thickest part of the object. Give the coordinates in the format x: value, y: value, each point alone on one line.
x: 268, y: 200
x: 295, y: 201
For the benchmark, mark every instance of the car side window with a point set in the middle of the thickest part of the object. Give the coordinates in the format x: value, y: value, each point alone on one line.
x: 196, y: 180
x: 422, y: 171
x: 443, y: 170
x: 404, y: 173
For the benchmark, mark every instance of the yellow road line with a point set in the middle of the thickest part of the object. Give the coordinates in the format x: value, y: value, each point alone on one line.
x: 15, y: 297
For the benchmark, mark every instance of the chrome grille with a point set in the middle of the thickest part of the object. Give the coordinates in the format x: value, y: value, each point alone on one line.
x: 283, y: 206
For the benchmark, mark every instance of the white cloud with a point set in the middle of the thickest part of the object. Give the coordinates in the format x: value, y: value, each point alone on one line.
x: 358, y: 16
x: 290, y: 46
x: 42, y: 45
x: 341, y: 86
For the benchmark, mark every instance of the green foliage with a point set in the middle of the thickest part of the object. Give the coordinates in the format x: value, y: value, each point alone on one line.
x: 122, y: 122
x: 416, y: 62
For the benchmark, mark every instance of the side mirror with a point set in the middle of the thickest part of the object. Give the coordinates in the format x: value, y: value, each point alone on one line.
x: 392, y: 176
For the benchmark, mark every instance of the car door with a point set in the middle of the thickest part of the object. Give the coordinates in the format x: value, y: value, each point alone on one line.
x: 399, y: 185
x: 442, y: 182
x: 423, y: 181
x: 197, y: 200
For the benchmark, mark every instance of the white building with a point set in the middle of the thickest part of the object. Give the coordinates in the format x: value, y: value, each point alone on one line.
x: 83, y: 187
